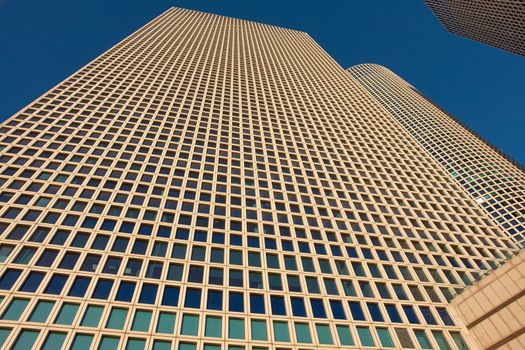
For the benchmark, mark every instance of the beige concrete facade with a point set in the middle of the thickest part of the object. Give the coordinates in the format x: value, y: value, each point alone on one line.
x: 491, y: 178
x: 500, y: 23
x: 493, y: 309
x: 212, y: 183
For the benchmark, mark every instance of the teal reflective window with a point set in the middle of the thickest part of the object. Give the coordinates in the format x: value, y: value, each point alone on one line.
x: 258, y: 329
x: 302, y: 333
x: 190, y: 325
x: 236, y: 328
x: 25, y: 340
x: 280, y: 331
x: 212, y: 347
x: 67, y: 314
x: 458, y: 339
x: 54, y: 341
x: 161, y: 345
x: 92, y: 316
x: 136, y: 344
x: 4, y: 333
x: 384, y: 337
x: 187, y: 346
x: 365, y: 336
x: 141, y: 321
x: 15, y: 309
x: 41, y: 311
x: 422, y: 339
x: 324, y: 334
x: 166, y: 323
x: 117, y: 318
x: 109, y: 343
x: 345, y: 337
x: 213, y: 327
x: 81, y: 342
x: 441, y: 340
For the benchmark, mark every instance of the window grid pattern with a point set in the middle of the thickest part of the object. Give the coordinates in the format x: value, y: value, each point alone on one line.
x: 493, y: 180
x: 213, y: 183
x: 494, y: 22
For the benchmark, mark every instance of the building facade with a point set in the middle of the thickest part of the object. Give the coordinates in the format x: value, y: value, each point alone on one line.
x: 493, y: 308
x: 500, y: 23
x: 492, y: 179
x: 212, y: 183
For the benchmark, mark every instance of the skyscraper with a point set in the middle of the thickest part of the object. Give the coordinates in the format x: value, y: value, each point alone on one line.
x: 212, y: 183
x: 500, y: 23
x: 492, y: 179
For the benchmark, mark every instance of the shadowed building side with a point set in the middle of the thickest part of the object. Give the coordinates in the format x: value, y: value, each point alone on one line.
x: 495, y: 181
x: 499, y: 23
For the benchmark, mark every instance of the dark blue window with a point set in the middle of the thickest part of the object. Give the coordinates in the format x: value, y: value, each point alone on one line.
x: 32, y: 281
x: 337, y: 309
x: 375, y: 312
x: 60, y: 237
x: 193, y: 298
x: 56, y: 284
x: 47, y: 258
x: 79, y: 287
x: 214, y: 300
x: 69, y: 261
x: 102, y: 289
x: 357, y: 311
x: 148, y: 294
x: 195, y: 274
x: 108, y: 225
x: 318, y: 308
x: 278, y: 307
x: 139, y: 247
x: 80, y: 240
x: 125, y: 291
x: 120, y: 245
x: 427, y: 315
x: 236, y: 302
x: 298, y: 307
x: 410, y: 313
x: 90, y: 263
x: 445, y: 317
x: 164, y: 231
x: 179, y: 251
x: 127, y: 227
x: 100, y: 243
x: 171, y: 296
x: 9, y: 278
x: 392, y: 313
x: 257, y: 305
x: 218, y: 238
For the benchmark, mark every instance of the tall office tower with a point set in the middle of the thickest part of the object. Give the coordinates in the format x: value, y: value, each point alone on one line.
x: 500, y: 23
x: 211, y: 183
x: 493, y: 180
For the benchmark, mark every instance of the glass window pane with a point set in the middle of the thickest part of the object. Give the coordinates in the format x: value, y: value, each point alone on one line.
x: 141, y: 321
x: 117, y: 318
x: 440, y: 339
x: 109, y: 343
x: 280, y: 331
x: 258, y: 329
x: 190, y: 325
x: 213, y: 327
x: 25, y: 340
x: 384, y: 337
x: 236, y: 328
x: 365, y: 336
x: 302, y: 333
x: 345, y: 337
x: 161, y: 345
x: 324, y: 334
x: 82, y: 342
x: 15, y: 309
x: 67, y: 314
x: 54, y: 341
x: 4, y: 333
x: 422, y: 339
x: 41, y: 311
x: 136, y: 344
x: 166, y: 323
x: 92, y: 316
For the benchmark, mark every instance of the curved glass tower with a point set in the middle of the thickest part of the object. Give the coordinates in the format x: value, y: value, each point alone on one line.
x: 493, y: 180
x: 212, y: 183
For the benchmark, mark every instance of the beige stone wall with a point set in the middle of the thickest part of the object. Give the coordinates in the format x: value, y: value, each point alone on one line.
x: 493, y: 309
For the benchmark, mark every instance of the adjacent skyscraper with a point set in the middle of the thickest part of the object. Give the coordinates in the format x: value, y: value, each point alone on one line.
x: 211, y: 183
x: 500, y: 23
x: 494, y: 181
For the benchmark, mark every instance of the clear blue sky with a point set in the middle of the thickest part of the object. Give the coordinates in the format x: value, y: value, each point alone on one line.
x: 43, y: 42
